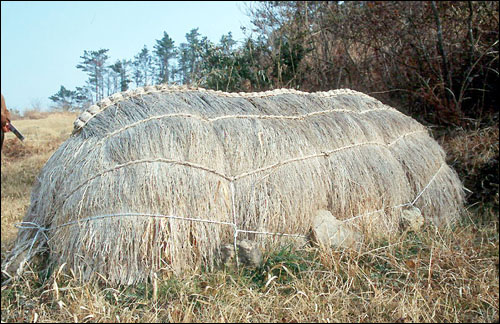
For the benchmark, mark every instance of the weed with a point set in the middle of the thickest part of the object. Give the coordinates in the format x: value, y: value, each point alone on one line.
x: 282, y: 266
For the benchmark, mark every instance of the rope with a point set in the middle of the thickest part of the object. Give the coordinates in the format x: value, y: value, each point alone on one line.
x: 244, y: 174
x: 412, y: 203
x: 235, y: 234
x: 427, y: 186
x: 188, y: 164
x: 31, y: 225
x: 140, y: 214
x: 41, y: 229
x: 210, y: 120
x: 94, y: 110
x: 272, y: 233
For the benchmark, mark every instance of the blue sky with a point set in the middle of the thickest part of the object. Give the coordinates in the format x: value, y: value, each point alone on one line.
x: 42, y: 41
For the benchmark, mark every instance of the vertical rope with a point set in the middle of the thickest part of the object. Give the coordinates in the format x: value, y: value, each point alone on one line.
x: 235, y: 238
x: 39, y: 229
x: 428, y: 184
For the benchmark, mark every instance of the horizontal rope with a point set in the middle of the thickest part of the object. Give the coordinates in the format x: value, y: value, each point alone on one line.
x: 116, y: 98
x: 160, y: 160
x: 210, y: 120
x: 138, y: 215
x: 205, y: 119
x: 31, y: 225
x: 39, y: 228
x: 324, y: 153
x: 271, y: 233
x: 244, y: 174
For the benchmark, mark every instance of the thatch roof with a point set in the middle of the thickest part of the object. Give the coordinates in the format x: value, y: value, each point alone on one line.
x: 261, y: 162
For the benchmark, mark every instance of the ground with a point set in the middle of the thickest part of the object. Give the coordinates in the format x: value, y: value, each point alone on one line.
x: 433, y: 275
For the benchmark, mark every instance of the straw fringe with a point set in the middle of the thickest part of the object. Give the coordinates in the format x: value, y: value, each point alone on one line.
x: 41, y: 230
x: 234, y: 166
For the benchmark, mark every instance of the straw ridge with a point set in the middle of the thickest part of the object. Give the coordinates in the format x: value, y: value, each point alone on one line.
x: 233, y: 166
x: 118, y: 97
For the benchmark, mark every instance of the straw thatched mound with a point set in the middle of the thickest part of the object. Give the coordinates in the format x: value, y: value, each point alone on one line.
x: 162, y: 177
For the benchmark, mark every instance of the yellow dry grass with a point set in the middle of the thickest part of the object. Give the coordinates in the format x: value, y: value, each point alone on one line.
x: 22, y: 161
x: 429, y: 276
x: 49, y: 127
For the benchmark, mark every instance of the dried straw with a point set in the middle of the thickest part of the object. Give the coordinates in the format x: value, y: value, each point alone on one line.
x: 123, y: 195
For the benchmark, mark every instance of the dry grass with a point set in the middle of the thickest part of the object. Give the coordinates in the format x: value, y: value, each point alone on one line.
x: 264, y: 161
x: 472, y: 148
x: 21, y: 163
x: 36, y: 114
x: 474, y: 154
x: 429, y: 276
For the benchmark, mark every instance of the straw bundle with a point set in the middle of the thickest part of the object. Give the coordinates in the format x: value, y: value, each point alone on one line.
x: 124, y: 195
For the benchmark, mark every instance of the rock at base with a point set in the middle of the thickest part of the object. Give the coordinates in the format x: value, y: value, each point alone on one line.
x: 412, y: 218
x: 249, y: 253
x: 328, y: 231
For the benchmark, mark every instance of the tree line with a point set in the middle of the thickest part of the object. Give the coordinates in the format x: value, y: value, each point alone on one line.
x: 146, y: 68
x: 437, y: 61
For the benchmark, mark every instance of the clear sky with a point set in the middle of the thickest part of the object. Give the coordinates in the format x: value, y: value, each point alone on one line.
x: 42, y: 41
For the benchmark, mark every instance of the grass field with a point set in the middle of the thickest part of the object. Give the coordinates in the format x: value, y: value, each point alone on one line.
x: 434, y: 275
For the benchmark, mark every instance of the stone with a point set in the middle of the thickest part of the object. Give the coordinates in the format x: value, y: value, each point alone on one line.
x: 79, y: 123
x: 327, y: 231
x: 94, y: 109
x: 85, y: 116
x: 249, y: 253
x: 227, y: 253
x: 412, y: 218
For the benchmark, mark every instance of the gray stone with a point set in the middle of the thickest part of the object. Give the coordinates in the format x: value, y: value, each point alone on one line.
x: 412, y: 218
x: 249, y: 253
x: 227, y: 253
x: 328, y: 231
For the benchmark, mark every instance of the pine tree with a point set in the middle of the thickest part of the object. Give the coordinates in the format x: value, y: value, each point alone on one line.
x: 120, y: 69
x: 143, y: 68
x: 164, y: 51
x: 94, y: 63
x: 64, y: 98
x: 189, y: 57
